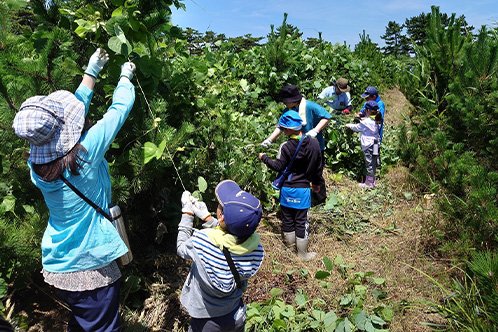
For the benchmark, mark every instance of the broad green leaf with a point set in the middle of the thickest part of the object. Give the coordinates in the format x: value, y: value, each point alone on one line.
x: 387, y: 314
x: 28, y: 208
x: 300, y: 299
x: 202, y: 184
x: 160, y: 149
x: 8, y: 203
x: 276, y: 292
x: 244, y: 85
x: 379, y: 281
x: 330, y: 321
x: 328, y: 263
x: 150, y: 150
x: 117, y: 12
x: 320, y: 274
x: 360, y: 320
x: 346, y: 299
x: 377, y: 320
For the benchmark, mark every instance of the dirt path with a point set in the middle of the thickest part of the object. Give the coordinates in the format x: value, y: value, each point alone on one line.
x: 387, y: 239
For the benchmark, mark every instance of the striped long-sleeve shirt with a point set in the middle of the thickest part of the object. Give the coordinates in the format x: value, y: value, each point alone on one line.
x: 210, y: 289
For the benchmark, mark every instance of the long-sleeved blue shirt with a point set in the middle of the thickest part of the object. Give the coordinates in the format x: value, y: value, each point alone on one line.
x: 77, y: 237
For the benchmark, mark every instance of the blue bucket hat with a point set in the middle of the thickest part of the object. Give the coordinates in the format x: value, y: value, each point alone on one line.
x: 370, y: 91
x: 51, y: 124
x: 290, y: 120
x: 242, y: 211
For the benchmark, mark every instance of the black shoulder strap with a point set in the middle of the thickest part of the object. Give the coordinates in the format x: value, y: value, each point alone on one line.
x: 291, y: 162
x: 86, y: 199
x: 231, y: 264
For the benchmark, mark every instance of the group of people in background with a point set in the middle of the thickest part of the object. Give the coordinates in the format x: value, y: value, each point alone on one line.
x: 80, y: 246
x: 303, y: 122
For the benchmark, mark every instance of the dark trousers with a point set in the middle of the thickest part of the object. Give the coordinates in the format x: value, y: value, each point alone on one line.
x: 321, y: 195
x: 94, y: 310
x: 295, y: 220
x: 232, y: 322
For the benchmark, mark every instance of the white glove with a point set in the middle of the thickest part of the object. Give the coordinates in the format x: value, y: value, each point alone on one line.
x: 312, y: 133
x: 97, y: 61
x: 266, y: 143
x: 187, y: 206
x: 200, y: 210
x: 127, y: 70
x: 212, y: 223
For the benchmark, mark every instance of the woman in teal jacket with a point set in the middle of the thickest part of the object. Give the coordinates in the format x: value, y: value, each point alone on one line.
x: 79, y: 246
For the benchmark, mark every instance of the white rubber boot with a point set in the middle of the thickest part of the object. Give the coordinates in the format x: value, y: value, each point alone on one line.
x: 289, y: 239
x: 302, y: 250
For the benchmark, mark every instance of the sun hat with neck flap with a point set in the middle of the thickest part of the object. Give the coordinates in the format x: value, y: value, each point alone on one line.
x: 51, y: 124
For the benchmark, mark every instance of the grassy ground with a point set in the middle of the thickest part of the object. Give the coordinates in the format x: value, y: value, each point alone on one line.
x: 379, y: 231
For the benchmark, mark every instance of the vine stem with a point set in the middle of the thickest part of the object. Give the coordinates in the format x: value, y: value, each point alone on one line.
x: 153, y: 117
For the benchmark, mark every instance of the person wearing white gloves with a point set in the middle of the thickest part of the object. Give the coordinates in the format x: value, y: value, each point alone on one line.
x: 212, y: 293
x: 79, y: 245
x: 315, y: 119
x: 370, y: 139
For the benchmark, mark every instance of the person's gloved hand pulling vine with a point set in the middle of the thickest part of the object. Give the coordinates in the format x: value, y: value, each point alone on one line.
x: 97, y: 61
x: 187, y: 203
x: 312, y: 133
x: 266, y: 143
x: 127, y: 70
x: 200, y: 210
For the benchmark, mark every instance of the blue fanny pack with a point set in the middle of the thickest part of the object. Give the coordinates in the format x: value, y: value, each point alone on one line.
x: 295, y: 198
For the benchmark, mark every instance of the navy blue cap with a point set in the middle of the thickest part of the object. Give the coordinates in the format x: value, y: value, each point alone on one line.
x: 290, y: 120
x: 290, y: 94
x: 370, y: 91
x: 371, y: 105
x: 241, y: 210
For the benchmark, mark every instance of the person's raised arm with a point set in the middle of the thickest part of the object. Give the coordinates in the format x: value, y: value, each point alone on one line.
x: 85, y: 90
x: 267, y: 142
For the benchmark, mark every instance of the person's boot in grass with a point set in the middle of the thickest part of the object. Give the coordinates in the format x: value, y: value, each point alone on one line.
x: 369, y: 182
x: 302, y: 250
x: 289, y: 239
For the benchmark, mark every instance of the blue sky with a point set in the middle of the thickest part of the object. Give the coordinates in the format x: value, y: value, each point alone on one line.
x: 338, y: 21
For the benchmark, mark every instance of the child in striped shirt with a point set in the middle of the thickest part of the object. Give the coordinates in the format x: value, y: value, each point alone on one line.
x: 224, y: 254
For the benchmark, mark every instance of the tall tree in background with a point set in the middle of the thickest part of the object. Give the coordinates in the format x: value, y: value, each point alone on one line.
x: 416, y: 28
x: 394, y: 39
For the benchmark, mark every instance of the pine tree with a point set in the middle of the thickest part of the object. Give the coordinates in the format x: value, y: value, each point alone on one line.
x: 394, y: 39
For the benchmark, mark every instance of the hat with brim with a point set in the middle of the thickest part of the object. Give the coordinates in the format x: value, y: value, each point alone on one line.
x: 371, y: 105
x: 290, y: 120
x: 242, y: 211
x: 51, y: 124
x: 290, y: 94
x: 370, y: 91
x: 342, y: 85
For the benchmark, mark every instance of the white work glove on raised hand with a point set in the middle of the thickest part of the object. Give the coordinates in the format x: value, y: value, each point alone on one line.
x: 312, y: 133
x: 211, y: 223
x: 266, y: 143
x: 200, y: 210
x: 127, y: 70
x: 187, y: 205
x: 97, y: 61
